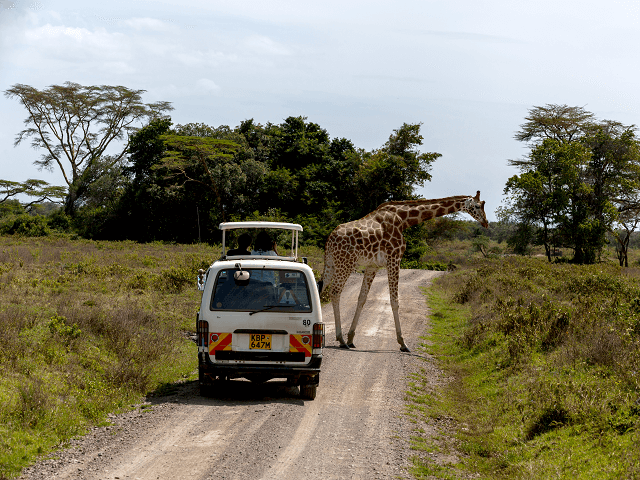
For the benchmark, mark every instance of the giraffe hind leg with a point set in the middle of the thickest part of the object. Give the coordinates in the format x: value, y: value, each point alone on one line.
x: 369, y: 275
x: 336, y: 290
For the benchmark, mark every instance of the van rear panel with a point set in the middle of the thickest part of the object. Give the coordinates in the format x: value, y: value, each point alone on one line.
x: 265, y: 318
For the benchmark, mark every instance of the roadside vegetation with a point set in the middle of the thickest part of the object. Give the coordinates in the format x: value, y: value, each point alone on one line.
x: 543, y: 367
x: 89, y: 328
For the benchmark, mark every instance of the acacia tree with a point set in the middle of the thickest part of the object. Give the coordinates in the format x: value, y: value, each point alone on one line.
x: 577, y: 178
x: 38, y: 189
x: 76, y: 124
x: 202, y: 160
x: 627, y: 223
x: 546, y: 190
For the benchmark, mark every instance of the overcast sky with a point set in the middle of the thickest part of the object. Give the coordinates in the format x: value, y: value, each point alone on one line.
x: 468, y: 70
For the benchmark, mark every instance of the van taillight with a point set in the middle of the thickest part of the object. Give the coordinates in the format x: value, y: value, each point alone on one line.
x: 202, y: 330
x: 318, y: 335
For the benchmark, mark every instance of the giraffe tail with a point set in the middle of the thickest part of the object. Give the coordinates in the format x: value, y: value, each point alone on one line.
x: 327, y: 273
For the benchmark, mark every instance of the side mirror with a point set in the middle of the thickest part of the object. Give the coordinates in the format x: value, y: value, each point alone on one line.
x: 202, y: 278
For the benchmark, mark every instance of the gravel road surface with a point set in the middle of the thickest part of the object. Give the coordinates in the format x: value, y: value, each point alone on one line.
x: 354, y: 429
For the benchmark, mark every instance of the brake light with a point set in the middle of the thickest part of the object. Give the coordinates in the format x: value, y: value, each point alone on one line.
x: 318, y: 335
x: 202, y: 330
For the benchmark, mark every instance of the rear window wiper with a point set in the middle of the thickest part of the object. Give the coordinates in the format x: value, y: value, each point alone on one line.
x: 269, y: 307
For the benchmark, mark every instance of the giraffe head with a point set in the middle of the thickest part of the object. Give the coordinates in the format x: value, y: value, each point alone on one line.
x: 474, y: 207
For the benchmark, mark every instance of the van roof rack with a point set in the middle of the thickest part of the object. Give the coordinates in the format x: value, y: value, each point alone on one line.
x: 294, y: 227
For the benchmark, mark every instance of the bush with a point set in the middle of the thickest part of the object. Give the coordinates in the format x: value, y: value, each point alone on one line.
x: 60, y: 221
x: 25, y: 225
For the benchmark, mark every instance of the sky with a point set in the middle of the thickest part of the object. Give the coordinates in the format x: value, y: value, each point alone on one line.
x: 467, y: 70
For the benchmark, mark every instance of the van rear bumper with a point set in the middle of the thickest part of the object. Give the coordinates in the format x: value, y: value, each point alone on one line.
x: 308, y: 374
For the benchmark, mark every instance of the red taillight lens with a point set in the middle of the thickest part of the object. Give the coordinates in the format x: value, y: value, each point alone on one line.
x: 202, y: 329
x: 318, y: 335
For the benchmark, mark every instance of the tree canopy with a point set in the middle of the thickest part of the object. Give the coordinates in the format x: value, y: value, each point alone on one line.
x: 75, y: 125
x: 183, y: 175
x: 40, y: 190
x: 579, y: 177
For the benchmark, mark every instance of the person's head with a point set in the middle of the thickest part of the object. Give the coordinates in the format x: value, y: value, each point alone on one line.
x: 244, y: 241
x: 264, y: 242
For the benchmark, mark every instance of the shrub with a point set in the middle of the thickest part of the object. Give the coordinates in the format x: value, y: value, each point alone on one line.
x: 420, y: 265
x: 25, y: 225
x: 57, y: 326
x: 58, y: 220
x: 34, y: 402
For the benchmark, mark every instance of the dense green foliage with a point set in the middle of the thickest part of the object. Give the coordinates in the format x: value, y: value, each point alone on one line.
x: 545, y: 361
x: 177, y: 183
x: 182, y: 181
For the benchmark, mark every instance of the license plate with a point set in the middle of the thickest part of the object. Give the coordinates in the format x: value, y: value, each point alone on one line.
x: 260, y: 341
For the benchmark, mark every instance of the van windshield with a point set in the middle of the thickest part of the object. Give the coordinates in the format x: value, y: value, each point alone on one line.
x: 272, y: 290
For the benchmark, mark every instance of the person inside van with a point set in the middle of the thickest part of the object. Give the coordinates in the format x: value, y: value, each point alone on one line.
x: 264, y: 245
x: 244, y: 242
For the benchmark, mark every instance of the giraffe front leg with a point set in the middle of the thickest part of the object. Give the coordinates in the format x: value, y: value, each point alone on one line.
x: 396, y: 317
x: 369, y: 275
x: 393, y: 271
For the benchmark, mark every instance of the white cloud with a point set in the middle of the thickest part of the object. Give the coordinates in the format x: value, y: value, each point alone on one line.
x: 48, y: 33
x: 264, y: 45
x: 201, y: 58
x: 206, y: 85
x: 148, y: 24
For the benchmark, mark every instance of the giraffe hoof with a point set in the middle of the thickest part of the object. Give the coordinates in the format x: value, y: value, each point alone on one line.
x: 404, y: 348
x: 344, y: 345
x: 351, y: 345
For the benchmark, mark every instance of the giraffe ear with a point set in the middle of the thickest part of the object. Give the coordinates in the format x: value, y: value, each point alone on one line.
x: 482, y: 203
x: 477, y: 197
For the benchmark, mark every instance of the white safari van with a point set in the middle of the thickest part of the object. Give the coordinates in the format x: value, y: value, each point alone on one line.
x: 260, y: 317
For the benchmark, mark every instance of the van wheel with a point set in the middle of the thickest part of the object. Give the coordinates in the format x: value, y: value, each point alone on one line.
x: 308, y: 392
x: 205, y: 384
x: 206, y: 390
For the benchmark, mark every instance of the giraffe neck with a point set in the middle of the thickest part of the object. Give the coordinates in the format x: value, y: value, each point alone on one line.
x: 413, y: 212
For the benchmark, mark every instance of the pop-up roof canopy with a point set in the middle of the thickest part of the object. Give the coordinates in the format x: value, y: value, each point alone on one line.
x: 294, y: 227
x: 281, y: 225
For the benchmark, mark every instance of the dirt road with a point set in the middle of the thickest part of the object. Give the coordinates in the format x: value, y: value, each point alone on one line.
x: 354, y: 429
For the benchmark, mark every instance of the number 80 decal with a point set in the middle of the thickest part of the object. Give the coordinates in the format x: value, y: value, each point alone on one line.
x: 306, y: 322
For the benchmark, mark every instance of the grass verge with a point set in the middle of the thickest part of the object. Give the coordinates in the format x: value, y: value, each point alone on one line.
x: 86, y: 329
x: 543, y: 367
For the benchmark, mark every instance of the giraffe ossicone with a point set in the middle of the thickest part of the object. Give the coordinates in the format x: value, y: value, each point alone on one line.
x: 376, y: 241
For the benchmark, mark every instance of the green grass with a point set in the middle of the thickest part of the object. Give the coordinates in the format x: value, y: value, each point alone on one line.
x: 86, y: 329
x: 543, y: 364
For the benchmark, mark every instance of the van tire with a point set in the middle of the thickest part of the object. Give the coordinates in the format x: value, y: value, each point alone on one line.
x: 206, y: 390
x: 205, y: 384
x: 308, y: 392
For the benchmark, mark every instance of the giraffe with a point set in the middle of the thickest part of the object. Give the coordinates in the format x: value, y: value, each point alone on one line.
x: 376, y: 241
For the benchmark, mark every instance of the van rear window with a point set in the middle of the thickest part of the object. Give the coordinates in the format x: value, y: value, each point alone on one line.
x: 267, y: 289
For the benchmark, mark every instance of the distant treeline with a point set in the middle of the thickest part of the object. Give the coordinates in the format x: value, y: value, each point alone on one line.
x: 578, y: 187
x: 177, y: 183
